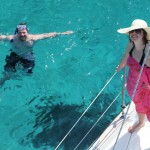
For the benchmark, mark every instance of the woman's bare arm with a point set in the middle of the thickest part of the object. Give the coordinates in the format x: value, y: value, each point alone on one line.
x: 125, y: 57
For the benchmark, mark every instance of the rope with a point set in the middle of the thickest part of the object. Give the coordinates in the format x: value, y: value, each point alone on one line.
x: 86, y: 110
x: 139, y: 76
x: 98, y: 120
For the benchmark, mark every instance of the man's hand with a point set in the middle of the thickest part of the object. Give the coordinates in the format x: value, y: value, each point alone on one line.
x: 66, y: 33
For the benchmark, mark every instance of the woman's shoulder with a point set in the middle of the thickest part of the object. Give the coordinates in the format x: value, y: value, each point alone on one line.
x: 148, y: 51
x: 148, y: 47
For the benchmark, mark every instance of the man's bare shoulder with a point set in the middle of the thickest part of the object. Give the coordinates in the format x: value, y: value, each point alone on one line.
x: 30, y: 37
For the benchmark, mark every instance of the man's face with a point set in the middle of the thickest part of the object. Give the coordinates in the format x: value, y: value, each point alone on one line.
x: 22, y: 34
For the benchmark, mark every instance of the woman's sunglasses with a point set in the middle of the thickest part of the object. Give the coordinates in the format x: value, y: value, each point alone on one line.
x: 138, y: 31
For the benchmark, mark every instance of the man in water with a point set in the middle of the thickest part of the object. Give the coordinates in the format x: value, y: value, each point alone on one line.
x: 22, y: 49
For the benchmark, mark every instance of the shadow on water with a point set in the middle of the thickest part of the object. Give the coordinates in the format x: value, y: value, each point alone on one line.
x: 52, y: 123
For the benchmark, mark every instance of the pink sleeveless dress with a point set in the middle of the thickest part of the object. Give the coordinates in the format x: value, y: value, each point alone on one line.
x: 142, y: 95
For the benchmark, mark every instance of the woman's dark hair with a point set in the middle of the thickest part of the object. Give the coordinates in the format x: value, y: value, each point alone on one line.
x: 145, y: 36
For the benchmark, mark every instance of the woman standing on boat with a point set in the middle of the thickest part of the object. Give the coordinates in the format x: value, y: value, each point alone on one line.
x: 137, y: 48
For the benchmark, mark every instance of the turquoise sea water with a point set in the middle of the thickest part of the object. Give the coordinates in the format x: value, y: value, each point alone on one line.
x: 37, y: 111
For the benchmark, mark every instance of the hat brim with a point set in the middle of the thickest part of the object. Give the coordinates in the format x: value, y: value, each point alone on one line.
x: 127, y: 30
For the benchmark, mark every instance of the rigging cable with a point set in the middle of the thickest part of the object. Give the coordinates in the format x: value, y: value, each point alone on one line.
x: 86, y: 110
x: 98, y: 120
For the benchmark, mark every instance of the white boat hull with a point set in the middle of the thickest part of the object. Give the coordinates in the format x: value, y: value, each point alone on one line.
x: 139, y: 140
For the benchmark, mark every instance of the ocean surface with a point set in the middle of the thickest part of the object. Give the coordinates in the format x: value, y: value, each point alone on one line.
x: 37, y: 111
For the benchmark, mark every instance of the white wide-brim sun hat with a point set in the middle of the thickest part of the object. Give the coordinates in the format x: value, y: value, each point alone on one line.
x: 137, y: 24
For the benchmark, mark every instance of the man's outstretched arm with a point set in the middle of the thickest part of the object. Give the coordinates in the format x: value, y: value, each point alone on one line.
x: 49, y: 35
x: 6, y: 37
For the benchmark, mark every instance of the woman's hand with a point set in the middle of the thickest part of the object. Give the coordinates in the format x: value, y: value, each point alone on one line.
x: 145, y: 86
x: 119, y: 67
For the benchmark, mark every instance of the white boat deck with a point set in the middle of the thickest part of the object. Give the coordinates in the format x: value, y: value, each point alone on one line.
x: 139, y: 140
